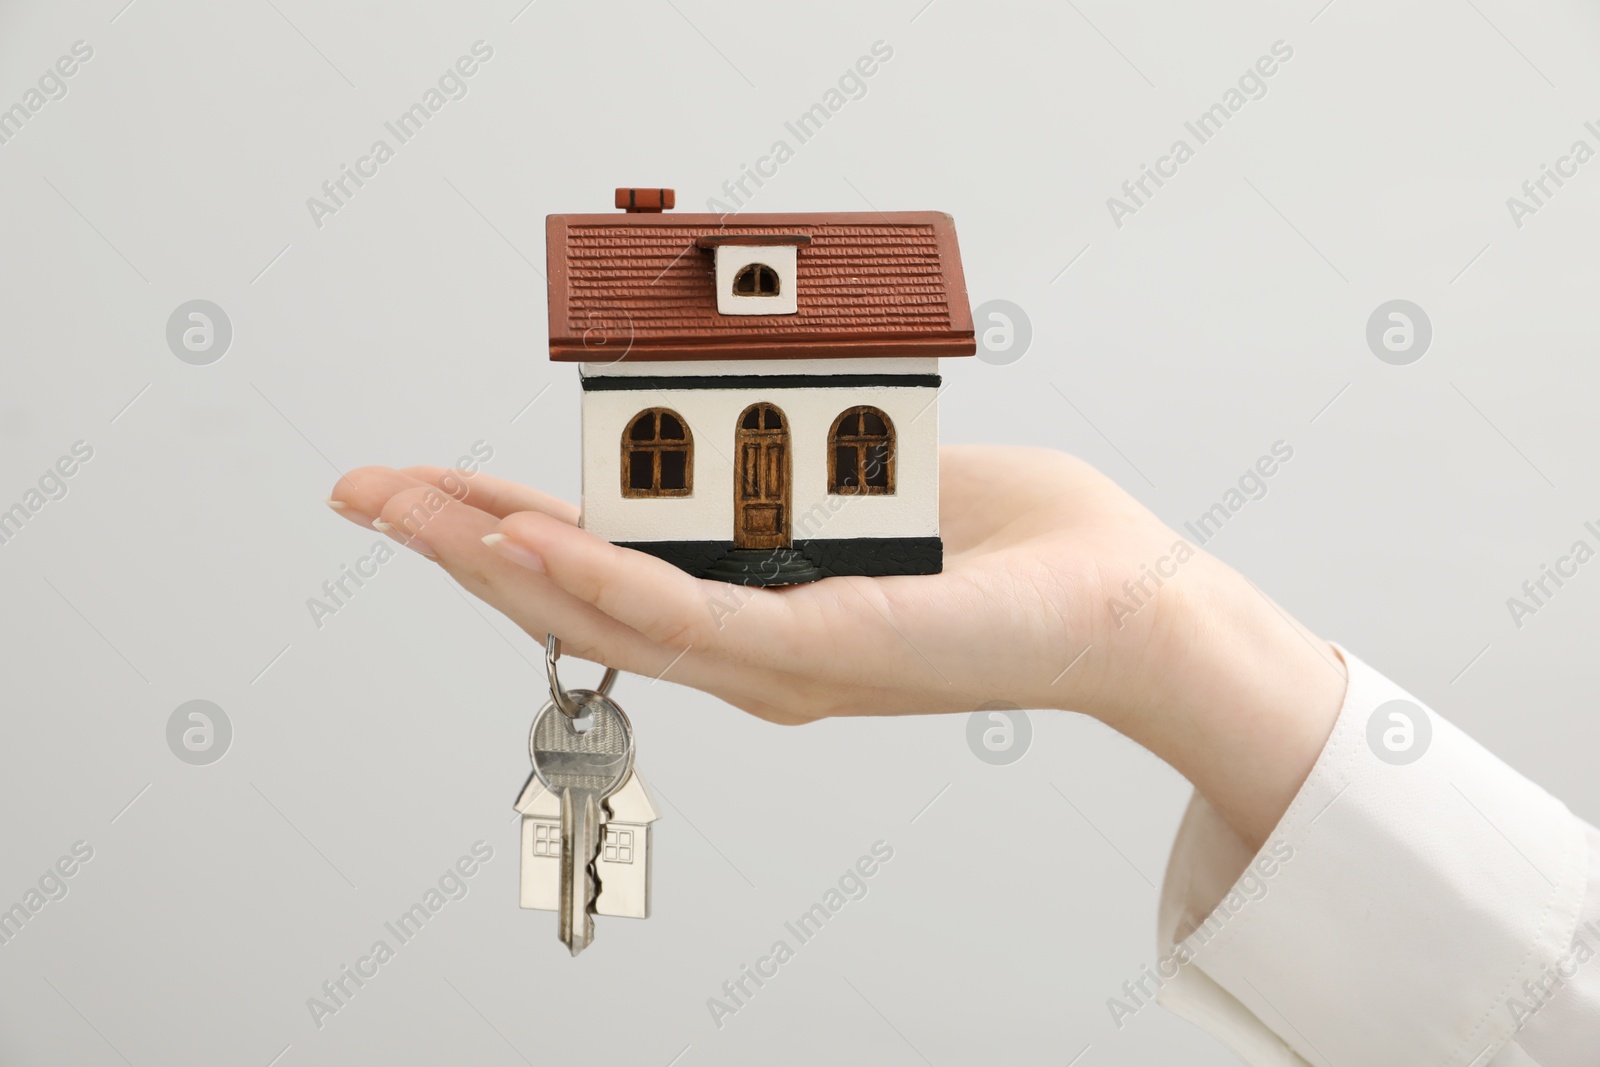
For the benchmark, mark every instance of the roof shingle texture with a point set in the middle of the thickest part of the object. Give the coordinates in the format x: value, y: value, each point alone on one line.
x: 884, y: 287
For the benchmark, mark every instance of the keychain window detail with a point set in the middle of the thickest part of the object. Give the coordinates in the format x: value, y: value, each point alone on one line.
x: 861, y: 453
x: 757, y: 279
x: 657, y: 455
x: 619, y: 846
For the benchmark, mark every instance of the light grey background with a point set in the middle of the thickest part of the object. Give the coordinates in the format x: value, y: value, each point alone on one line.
x: 1227, y: 314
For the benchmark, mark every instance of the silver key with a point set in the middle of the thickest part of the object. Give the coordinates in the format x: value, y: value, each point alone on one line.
x: 582, y: 761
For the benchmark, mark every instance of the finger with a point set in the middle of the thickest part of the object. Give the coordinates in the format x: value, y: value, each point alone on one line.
x: 427, y: 518
x: 667, y: 605
x: 361, y: 494
x: 420, y: 513
x: 759, y: 659
x: 644, y: 593
x: 497, y: 496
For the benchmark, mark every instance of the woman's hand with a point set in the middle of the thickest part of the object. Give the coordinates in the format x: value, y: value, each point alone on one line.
x: 1059, y: 591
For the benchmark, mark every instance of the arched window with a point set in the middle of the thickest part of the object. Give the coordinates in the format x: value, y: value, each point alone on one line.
x: 757, y: 279
x: 657, y: 455
x: 861, y: 453
x: 762, y: 417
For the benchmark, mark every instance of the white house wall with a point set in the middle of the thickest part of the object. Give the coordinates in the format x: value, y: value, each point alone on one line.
x: 713, y: 414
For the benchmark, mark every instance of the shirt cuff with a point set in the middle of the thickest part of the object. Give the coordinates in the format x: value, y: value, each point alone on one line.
x: 1397, y: 907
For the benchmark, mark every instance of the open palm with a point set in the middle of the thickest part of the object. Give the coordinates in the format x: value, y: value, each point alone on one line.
x: 1036, y: 543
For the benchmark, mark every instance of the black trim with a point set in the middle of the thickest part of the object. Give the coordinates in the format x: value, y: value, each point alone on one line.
x: 874, y: 557
x: 756, y: 381
x: 870, y: 557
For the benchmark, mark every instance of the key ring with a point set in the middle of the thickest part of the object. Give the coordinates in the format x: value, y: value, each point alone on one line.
x: 558, y: 692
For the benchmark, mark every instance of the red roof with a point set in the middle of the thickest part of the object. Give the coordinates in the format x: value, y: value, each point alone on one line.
x: 637, y: 286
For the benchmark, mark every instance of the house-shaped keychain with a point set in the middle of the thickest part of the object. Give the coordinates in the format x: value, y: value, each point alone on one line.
x: 760, y: 391
x: 622, y: 866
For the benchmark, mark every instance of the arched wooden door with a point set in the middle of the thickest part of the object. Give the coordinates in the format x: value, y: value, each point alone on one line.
x: 761, y: 479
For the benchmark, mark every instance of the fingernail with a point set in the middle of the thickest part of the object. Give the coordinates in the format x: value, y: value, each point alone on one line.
x: 525, y: 557
x: 359, y: 518
x: 416, y: 544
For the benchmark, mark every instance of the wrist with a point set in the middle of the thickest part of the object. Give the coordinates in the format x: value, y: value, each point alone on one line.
x: 1248, y: 704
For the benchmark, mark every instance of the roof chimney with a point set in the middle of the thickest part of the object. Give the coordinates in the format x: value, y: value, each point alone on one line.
x: 647, y: 200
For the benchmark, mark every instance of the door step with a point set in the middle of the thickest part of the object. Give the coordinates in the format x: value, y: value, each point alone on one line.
x: 764, y: 566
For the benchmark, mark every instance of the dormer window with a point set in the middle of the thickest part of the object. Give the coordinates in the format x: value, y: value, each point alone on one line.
x: 756, y: 279
x: 756, y: 273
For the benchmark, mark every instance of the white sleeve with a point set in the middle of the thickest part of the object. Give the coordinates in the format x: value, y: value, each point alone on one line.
x: 1440, y: 912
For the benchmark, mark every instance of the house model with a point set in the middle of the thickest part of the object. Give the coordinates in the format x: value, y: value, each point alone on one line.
x: 760, y: 391
x: 622, y: 868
